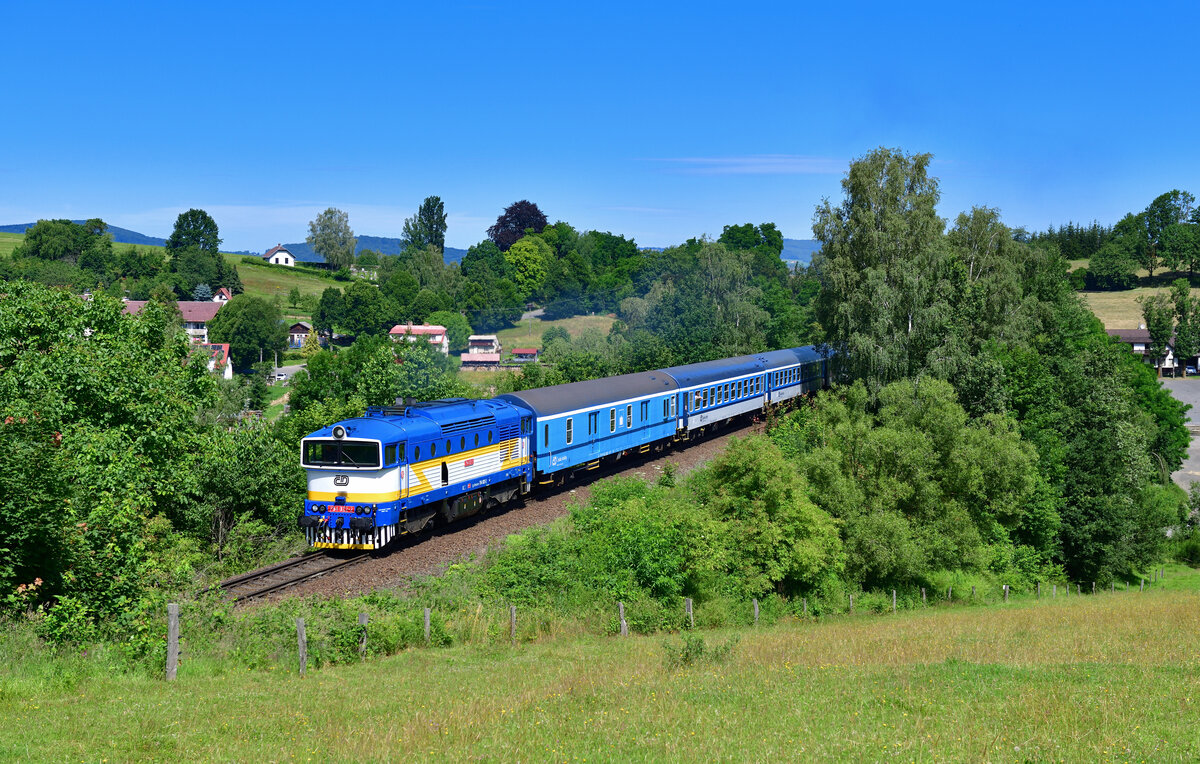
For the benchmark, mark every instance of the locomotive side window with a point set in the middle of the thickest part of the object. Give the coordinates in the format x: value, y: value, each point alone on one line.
x: 462, y: 443
x: 476, y: 439
x: 417, y: 454
x: 489, y: 436
x: 447, y: 446
x: 433, y: 449
x: 389, y: 454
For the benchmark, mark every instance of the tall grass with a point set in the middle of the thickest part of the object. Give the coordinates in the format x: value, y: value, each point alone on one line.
x: 1083, y: 678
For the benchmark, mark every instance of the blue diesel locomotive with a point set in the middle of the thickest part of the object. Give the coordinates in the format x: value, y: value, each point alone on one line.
x: 397, y: 470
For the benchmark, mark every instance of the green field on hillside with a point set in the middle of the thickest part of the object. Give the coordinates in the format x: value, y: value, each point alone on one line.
x: 1080, y: 678
x: 9, y: 242
x: 528, y: 333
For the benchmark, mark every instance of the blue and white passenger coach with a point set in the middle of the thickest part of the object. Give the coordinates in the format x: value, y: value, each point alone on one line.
x: 398, y: 469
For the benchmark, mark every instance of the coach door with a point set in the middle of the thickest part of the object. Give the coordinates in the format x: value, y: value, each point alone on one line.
x: 594, y: 431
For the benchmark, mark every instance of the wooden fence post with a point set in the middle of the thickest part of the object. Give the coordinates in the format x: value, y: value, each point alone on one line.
x: 804, y: 600
x: 1078, y: 590
x: 362, y: 638
x: 851, y: 603
x: 621, y: 616
x: 512, y: 623
x: 302, y: 644
x: 426, y: 625
x: 924, y: 601
x: 172, y: 640
x: 1006, y: 592
x: 1055, y: 594
x: 1039, y: 591
x: 1093, y: 587
x: 950, y: 594
x: 1142, y: 586
x: 893, y: 600
x: 756, y: 611
x: 972, y: 593
x: 687, y: 608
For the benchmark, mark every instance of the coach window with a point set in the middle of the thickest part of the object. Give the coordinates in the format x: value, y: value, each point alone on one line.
x: 546, y: 436
x: 570, y: 430
x: 666, y: 408
x: 629, y: 415
x: 674, y: 408
x: 699, y: 400
x: 645, y: 410
x: 612, y: 420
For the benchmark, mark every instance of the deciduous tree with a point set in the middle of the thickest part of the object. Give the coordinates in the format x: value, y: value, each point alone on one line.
x: 252, y: 326
x: 514, y: 221
x: 331, y: 237
x: 428, y: 227
x: 194, y: 229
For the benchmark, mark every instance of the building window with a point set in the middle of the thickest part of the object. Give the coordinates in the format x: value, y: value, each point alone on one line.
x: 570, y: 430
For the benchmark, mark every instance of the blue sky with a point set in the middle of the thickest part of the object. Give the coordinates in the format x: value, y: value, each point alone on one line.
x: 659, y: 121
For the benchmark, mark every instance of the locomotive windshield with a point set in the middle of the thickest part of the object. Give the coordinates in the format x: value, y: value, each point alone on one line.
x: 335, y: 453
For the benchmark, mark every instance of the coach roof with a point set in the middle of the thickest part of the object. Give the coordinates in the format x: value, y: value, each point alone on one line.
x: 708, y: 372
x: 560, y: 399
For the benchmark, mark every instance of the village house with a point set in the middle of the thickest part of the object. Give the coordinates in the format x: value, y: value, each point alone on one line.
x: 483, y: 343
x: 279, y: 255
x: 218, y: 358
x: 525, y: 355
x: 481, y: 360
x: 222, y: 295
x: 1139, y: 342
x: 196, y: 316
x: 434, y: 334
x: 298, y: 333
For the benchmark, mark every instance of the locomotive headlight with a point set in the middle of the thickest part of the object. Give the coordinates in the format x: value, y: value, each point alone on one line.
x: 339, y: 432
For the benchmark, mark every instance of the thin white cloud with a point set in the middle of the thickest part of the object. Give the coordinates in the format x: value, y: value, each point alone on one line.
x: 757, y: 164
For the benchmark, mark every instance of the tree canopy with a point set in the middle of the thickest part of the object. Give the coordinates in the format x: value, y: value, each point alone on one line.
x: 252, y: 326
x: 331, y: 237
x: 514, y: 221
x: 427, y: 228
x: 194, y: 229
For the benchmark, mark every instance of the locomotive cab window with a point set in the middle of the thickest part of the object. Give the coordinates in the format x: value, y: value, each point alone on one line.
x: 389, y: 453
x: 335, y: 453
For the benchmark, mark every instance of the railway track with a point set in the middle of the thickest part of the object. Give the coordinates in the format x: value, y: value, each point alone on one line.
x: 273, y: 578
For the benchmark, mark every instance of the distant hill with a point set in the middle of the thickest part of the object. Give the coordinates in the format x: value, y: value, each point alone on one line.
x: 381, y: 244
x: 119, y: 235
x: 794, y: 250
x: 800, y: 250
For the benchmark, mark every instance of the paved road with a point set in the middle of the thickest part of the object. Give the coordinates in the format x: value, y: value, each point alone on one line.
x: 1188, y: 391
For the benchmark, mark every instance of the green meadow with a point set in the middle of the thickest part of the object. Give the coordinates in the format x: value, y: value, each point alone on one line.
x: 1071, y: 678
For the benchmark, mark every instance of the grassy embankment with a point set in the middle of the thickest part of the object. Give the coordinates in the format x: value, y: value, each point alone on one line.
x: 528, y: 334
x: 1109, y: 677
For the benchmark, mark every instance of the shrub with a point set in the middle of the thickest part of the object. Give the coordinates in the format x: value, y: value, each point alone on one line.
x: 692, y: 650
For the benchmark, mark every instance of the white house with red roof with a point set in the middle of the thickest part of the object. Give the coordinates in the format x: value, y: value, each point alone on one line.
x: 222, y: 295
x: 218, y: 358
x: 279, y: 255
x: 434, y: 334
x: 196, y: 316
